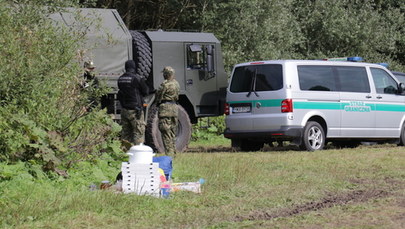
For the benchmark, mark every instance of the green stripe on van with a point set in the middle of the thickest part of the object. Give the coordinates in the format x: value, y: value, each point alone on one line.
x: 390, y: 107
x: 324, y: 105
x: 317, y: 105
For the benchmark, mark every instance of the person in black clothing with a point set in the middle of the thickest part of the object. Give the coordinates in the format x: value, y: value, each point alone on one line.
x: 132, y: 89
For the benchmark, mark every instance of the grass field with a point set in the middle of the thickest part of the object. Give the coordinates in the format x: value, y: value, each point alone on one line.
x: 275, y: 188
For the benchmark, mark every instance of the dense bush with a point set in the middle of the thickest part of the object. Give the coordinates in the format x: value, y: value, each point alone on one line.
x: 45, y: 117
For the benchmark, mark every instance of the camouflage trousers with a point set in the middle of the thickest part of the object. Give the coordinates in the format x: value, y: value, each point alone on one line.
x: 168, y: 129
x: 133, y: 126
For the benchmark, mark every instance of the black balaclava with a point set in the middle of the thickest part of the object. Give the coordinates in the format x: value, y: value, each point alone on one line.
x: 130, y: 66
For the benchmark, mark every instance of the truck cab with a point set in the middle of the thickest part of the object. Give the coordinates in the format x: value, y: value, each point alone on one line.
x: 195, y: 56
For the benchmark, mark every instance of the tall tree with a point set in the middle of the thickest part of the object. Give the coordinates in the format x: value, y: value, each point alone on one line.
x: 152, y: 14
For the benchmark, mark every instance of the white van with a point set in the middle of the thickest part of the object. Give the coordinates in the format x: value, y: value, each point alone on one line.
x: 310, y: 102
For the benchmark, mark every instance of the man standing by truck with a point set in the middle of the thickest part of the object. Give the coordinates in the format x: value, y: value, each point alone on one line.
x: 132, y: 89
x: 166, y: 98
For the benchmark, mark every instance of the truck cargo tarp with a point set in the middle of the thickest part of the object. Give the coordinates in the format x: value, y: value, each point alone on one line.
x: 107, y: 41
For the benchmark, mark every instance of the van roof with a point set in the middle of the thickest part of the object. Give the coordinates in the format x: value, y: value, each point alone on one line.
x: 309, y: 62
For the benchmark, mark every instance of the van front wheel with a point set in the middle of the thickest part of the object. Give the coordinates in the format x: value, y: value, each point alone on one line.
x: 402, y: 136
x: 313, y: 137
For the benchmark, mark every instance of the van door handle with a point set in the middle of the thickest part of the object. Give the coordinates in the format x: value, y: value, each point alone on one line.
x: 368, y: 97
x: 258, y: 104
x: 379, y: 97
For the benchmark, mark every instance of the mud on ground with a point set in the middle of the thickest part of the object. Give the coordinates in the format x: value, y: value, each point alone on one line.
x: 369, y: 190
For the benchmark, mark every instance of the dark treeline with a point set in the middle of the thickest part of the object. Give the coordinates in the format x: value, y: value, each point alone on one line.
x: 270, y: 29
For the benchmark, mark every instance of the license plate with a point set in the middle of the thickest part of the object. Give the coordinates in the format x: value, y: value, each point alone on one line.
x: 240, y: 109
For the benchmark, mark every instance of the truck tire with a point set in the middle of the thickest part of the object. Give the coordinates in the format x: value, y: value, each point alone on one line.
x: 154, y: 138
x: 313, y: 137
x: 142, y: 54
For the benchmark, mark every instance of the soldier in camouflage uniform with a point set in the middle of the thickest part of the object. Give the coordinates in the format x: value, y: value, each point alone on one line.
x: 132, y: 89
x: 166, y: 97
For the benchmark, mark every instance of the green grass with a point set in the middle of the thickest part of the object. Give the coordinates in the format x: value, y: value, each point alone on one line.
x: 268, y: 189
x: 211, y: 141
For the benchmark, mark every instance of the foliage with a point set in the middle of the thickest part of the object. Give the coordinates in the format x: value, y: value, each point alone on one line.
x: 208, y: 127
x: 254, y: 30
x: 262, y: 29
x: 45, y: 115
x: 351, y: 28
x: 158, y: 14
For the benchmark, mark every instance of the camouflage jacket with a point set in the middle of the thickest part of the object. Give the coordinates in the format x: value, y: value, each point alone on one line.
x: 166, y: 97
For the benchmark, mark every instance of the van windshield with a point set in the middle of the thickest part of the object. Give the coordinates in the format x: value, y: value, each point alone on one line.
x: 400, y: 76
x: 267, y: 77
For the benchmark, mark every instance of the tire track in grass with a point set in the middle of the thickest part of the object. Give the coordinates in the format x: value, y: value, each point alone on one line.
x: 330, y: 200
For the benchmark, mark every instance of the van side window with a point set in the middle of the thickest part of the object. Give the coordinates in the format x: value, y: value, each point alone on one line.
x: 316, y: 78
x: 333, y: 78
x: 383, y: 82
x: 353, y: 79
x: 268, y: 77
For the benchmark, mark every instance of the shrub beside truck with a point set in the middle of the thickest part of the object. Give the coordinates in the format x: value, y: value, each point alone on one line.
x: 196, y: 58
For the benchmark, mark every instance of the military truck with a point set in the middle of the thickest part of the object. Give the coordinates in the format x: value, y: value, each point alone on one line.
x: 195, y: 56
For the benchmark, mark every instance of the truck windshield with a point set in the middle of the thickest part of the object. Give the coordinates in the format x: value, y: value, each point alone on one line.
x: 249, y: 78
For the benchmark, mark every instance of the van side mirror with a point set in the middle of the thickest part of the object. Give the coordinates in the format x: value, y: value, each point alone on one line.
x: 401, y: 88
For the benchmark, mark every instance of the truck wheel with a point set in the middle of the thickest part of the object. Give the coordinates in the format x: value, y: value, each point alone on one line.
x: 153, y: 136
x: 142, y: 54
x: 313, y: 137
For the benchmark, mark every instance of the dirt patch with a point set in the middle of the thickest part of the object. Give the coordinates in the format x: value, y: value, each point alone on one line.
x: 229, y: 149
x: 209, y: 149
x: 401, y: 203
x: 333, y: 199
x: 330, y: 200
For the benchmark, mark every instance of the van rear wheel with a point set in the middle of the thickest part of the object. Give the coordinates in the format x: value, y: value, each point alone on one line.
x: 313, y: 137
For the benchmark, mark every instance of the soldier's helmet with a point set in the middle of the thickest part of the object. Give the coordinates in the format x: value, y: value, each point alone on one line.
x: 89, y: 64
x: 168, y: 71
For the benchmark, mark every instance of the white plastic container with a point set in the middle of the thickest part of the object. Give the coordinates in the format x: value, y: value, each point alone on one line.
x: 141, y: 154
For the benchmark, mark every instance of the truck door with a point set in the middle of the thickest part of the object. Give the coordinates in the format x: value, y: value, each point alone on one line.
x: 390, y: 106
x: 200, y: 77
